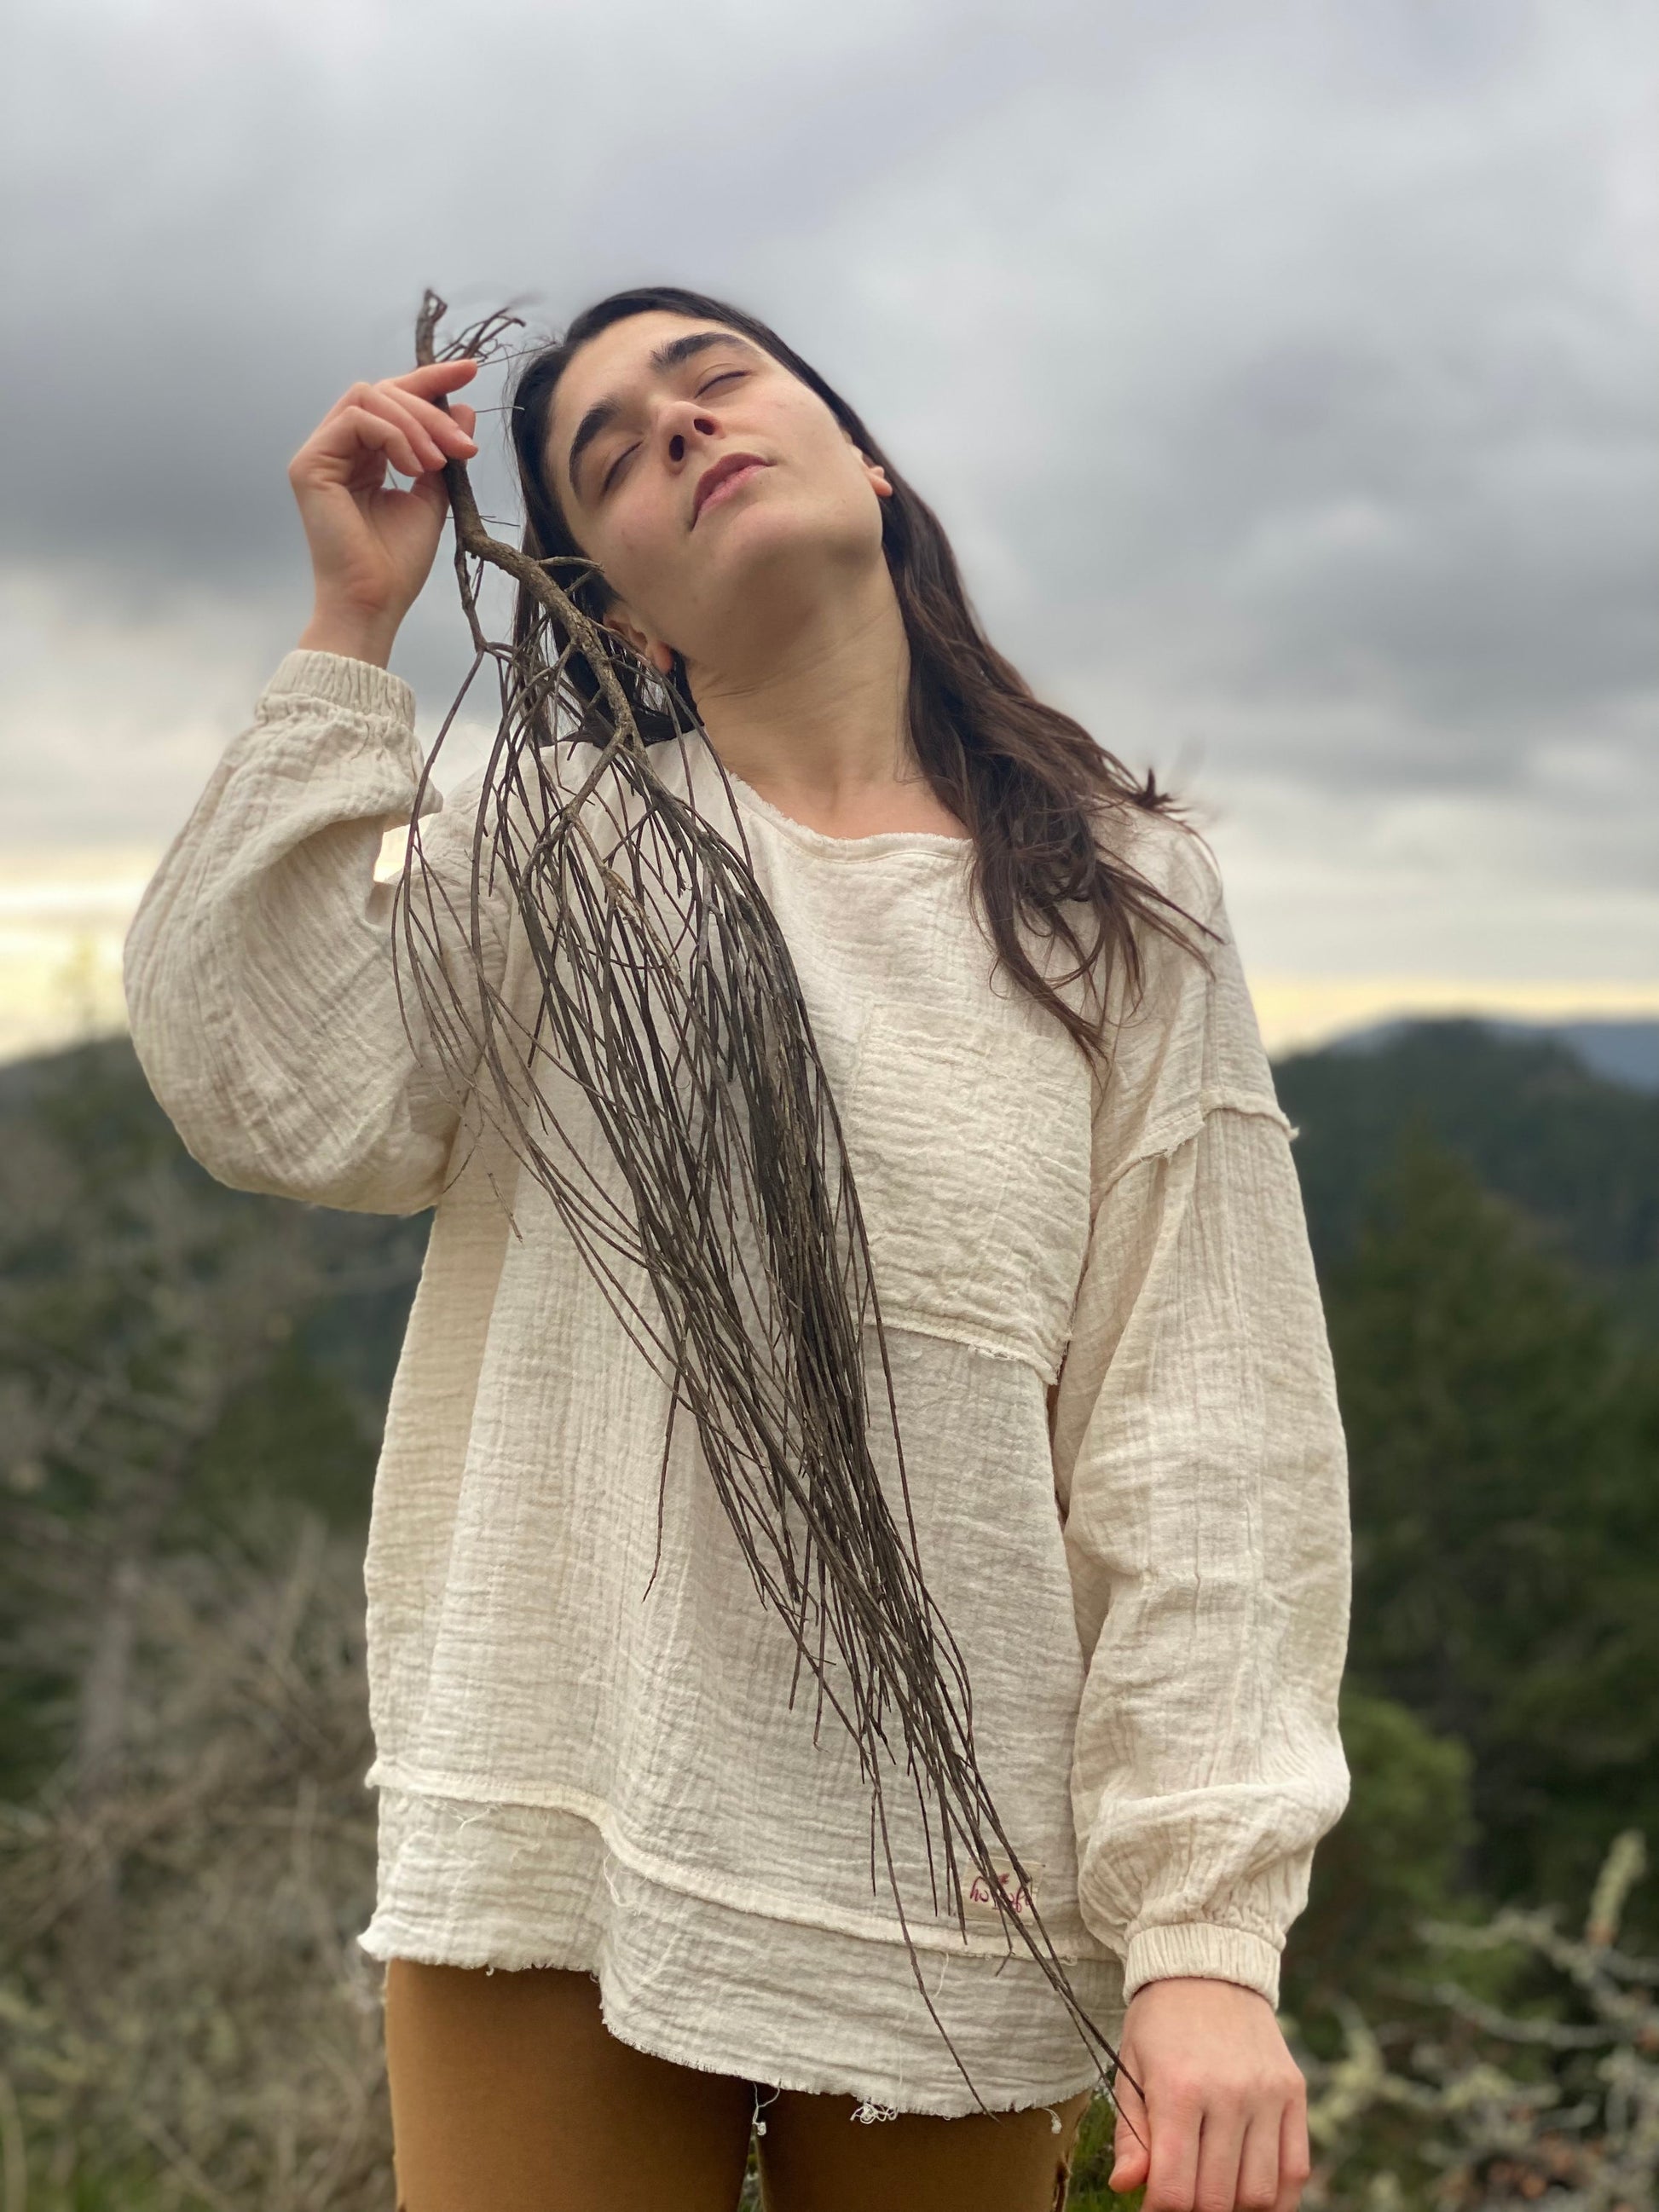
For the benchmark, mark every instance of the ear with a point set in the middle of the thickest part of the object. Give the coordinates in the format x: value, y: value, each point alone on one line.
x: 872, y: 469
x: 654, y: 649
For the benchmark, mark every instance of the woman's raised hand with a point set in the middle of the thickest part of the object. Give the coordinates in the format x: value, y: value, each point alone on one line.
x: 372, y: 544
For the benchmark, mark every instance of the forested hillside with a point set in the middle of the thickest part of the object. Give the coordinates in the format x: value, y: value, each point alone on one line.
x: 1486, y: 1217
x: 191, y: 1384
x: 1577, y: 1154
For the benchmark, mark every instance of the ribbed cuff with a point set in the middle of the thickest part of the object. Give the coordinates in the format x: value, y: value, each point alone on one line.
x: 1204, y: 1949
x: 359, y: 684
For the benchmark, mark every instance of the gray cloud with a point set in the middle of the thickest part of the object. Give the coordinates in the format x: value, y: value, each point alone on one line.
x: 1283, y: 373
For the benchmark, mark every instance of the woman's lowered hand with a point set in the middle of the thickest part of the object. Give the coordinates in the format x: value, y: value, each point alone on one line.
x: 1225, y: 2119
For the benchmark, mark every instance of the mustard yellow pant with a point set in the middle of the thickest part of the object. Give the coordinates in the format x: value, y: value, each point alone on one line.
x: 510, y: 2094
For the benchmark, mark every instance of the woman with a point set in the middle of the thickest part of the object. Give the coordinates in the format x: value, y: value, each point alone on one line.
x: 625, y: 1886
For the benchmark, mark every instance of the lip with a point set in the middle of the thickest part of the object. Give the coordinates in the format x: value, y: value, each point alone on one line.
x: 720, y: 472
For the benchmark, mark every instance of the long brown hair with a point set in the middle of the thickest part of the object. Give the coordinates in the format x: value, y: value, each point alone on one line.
x: 1034, y: 789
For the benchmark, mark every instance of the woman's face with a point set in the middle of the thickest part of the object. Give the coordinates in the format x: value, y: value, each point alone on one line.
x: 717, y: 493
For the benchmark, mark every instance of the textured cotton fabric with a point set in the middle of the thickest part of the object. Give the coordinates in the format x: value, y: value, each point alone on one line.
x: 1114, y: 1392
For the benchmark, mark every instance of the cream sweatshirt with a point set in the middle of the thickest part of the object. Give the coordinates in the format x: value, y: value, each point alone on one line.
x: 1114, y: 1389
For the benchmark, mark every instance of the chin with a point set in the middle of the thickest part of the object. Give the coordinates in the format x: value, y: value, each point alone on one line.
x: 767, y: 543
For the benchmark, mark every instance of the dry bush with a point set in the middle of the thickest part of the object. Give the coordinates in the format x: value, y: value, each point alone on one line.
x: 187, y: 2018
x: 1492, y: 2105
x: 189, y: 2022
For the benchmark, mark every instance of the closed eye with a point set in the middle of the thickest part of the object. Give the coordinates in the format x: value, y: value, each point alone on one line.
x: 605, y: 480
x: 726, y: 376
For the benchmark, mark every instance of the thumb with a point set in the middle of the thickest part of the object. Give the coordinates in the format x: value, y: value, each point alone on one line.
x: 1131, y: 2162
x: 433, y: 492
x: 1132, y: 2157
x: 464, y: 415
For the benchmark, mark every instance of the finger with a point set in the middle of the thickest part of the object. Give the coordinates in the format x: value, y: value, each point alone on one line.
x: 374, y: 399
x: 465, y: 417
x: 1295, y: 2157
x: 1220, y: 2140
x: 395, y: 409
x: 359, y: 431
x: 441, y: 424
x: 427, y: 383
x: 436, y: 376
x: 1258, y: 2164
x: 1172, y: 2171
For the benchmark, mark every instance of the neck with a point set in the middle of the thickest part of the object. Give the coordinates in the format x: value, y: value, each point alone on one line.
x: 814, y: 717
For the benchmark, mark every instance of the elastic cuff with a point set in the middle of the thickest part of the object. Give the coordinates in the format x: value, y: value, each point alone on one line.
x: 1204, y: 1949
x: 360, y: 684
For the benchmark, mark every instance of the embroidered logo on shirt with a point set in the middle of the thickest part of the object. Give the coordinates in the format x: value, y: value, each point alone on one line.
x: 1021, y: 1897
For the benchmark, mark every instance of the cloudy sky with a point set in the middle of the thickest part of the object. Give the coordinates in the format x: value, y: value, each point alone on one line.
x: 1285, y: 372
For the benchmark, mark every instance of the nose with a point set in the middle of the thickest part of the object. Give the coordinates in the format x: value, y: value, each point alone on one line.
x: 703, y: 425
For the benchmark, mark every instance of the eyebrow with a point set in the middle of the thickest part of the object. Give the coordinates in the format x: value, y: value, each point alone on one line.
x: 668, y: 356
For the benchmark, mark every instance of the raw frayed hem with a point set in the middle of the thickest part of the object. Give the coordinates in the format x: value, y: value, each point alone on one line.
x: 420, y: 1952
x: 869, y: 2110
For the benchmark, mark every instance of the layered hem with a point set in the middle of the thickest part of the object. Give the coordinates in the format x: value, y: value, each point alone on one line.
x: 1074, y: 1944
x: 726, y: 1990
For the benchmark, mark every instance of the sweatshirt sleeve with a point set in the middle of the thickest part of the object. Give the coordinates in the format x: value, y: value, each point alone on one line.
x: 259, y: 965
x: 1201, y: 1472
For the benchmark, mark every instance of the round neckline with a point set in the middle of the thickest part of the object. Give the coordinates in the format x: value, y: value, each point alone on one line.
x: 933, y: 843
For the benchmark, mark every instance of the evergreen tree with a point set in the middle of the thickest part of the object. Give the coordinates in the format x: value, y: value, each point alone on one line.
x: 1396, y: 1857
x: 1501, y: 1434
